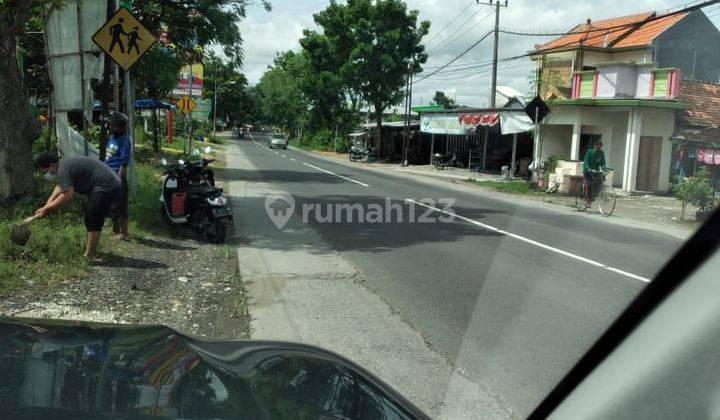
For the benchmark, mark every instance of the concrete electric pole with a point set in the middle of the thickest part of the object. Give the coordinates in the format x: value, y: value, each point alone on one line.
x: 493, y: 84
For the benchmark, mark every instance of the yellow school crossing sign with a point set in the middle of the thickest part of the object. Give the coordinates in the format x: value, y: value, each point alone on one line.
x: 186, y: 104
x: 124, y: 38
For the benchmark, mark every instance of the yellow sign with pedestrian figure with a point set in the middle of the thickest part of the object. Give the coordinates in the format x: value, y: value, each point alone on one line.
x: 186, y: 104
x: 124, y: 38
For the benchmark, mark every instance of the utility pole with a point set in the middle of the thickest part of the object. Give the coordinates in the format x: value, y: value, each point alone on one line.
x: 407, y: 118
x: 493, y: 84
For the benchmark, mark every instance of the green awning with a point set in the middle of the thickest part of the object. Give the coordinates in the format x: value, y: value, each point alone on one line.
x: 427, y: 108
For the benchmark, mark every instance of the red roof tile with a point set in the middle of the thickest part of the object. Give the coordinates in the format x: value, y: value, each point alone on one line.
x: 625, y: 31
x: 704, y: 101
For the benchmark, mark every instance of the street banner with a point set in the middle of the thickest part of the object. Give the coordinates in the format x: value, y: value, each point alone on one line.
x: 473, y: 120
x: 514, y: 122
x: 202, y: 110
x: 183, y: 84
x: 442, y: 124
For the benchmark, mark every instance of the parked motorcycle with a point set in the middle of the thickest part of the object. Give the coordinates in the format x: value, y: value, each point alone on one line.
x: 441, y: 161
x: 190, y: 199
x: 356, y: 154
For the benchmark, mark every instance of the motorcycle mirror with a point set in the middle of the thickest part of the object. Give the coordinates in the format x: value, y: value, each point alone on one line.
x: 163, y: 162
x: 208, y: 149
x: 182, y: 162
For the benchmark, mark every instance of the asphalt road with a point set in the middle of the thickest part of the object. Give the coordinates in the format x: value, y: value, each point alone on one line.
x: 511, y: 294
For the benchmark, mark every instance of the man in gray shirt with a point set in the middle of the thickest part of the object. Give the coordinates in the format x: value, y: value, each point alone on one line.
x: 82, y: 175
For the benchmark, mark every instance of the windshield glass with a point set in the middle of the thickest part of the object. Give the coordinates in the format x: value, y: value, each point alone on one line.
x: 459, y: 196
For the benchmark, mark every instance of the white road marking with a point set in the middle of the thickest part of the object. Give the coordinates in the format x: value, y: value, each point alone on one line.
x: 338, y: 175
x: 283, y: 156
x: 293, y: 159
x: 536, y: 243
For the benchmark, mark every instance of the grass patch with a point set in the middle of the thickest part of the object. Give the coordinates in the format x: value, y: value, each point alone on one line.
x: 512, y: 187
x: 144, y: 206
x: 54, y: 252
x: 296, y: 143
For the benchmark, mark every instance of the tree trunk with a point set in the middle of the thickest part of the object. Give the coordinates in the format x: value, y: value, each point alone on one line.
x: 378, y: 120
x: 18, y: 128
x: 156, y: 141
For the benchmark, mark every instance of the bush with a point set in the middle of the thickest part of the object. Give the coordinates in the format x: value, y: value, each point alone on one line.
x: 323, y: 140
x: 552, y: 162
x: 695, y: 190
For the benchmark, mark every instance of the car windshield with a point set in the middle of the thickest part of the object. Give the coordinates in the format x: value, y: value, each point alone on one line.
x: 459, y: 196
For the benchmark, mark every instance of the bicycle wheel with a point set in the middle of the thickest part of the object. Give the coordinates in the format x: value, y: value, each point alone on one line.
x: 580, y: 197
x: 606, y: 201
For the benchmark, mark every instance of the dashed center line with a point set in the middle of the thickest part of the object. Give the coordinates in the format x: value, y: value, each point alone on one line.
x: 536, y: 243
x: 337, y: 175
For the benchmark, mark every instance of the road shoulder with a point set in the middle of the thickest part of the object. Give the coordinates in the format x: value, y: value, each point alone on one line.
x: 301, y: 290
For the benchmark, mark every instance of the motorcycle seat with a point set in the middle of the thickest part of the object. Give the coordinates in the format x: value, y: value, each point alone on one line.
x: 203, y: 190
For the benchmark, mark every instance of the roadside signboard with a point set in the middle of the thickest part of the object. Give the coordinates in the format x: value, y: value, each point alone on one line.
x: 186, y: 104
x: 124, y: 38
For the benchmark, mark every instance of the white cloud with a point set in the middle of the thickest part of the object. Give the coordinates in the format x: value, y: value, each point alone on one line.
x: 267, y: 33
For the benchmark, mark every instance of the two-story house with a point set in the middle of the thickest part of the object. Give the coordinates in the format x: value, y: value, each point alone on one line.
x: 618, y: 80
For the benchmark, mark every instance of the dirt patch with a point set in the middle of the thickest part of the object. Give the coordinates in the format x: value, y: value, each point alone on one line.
x: 182, y: 283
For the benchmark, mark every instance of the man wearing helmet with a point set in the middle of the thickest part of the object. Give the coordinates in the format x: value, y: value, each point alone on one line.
x: 117, y: 158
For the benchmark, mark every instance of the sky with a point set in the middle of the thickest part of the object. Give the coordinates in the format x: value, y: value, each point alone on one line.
x: 267, y: 33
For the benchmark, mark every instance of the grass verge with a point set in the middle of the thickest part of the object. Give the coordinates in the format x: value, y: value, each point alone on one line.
x: 512, y: 187
x: 54, y: 252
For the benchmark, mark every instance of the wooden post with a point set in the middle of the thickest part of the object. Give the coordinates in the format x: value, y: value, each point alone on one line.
x: 432, y: 146
x: 485, y: 142
x: 511, y: 170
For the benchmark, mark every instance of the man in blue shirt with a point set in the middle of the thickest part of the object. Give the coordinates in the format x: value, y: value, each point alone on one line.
x: 117, y: 157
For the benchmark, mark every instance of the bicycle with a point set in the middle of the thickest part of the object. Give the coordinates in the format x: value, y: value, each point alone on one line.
x: 605, y: 196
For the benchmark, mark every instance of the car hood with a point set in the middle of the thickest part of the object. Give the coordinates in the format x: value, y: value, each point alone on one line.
x: 64, y: 369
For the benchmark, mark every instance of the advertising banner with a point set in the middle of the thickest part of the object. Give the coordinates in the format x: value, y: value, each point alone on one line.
x: 183, y: 85
x: 442, y: 124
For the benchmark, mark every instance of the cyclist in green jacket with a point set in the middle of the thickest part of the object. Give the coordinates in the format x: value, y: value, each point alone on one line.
x: 594, y: 160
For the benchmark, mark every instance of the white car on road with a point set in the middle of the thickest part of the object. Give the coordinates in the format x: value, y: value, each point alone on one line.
x: 277, y: 141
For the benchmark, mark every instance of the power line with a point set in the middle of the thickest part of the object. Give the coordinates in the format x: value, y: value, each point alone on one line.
x: 451, y: 21
x: 469, y: 63
x: 458, y: 57
x: 486, y: 70
x: 448, y: 43
x: 457, y: 28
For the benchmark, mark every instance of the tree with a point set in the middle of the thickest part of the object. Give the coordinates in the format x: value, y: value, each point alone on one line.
x: 281, y: 99
x: 18, y: 128
x: 441, y: 99
x: 387, y: 50
x: 233, y: 96
x: 154, y: 77
x: 364, y: 52
x: 189, y: 24
x: 695, y: 190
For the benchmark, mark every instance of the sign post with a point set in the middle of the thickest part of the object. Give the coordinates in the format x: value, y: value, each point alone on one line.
x: 124, y: 39
x: 537, y: 110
